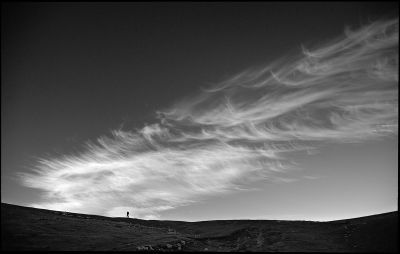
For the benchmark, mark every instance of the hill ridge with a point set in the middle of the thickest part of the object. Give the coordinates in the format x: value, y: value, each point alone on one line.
x: 102, y: 216
x: 27, y: 228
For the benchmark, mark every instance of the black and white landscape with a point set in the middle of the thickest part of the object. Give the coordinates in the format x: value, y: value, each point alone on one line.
x: 26, y: 228
x: 200, y: 126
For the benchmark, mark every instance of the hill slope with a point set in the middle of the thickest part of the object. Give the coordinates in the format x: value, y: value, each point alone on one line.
x: 25, y: 228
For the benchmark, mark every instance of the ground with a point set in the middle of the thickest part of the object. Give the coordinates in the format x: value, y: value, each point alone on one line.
x: 25, y: 228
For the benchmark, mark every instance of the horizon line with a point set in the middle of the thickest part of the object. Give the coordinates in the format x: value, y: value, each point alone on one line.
x: 303, y: 220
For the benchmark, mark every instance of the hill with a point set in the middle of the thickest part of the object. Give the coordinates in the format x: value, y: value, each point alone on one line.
x: 25, y: 228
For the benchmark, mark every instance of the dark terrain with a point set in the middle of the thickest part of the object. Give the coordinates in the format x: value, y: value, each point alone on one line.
x: 25, y: 228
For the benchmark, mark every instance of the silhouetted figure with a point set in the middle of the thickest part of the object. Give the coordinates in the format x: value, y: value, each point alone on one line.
x: 127, y: 214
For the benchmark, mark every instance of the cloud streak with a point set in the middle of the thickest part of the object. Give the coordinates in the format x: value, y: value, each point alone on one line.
x: 235, y: 132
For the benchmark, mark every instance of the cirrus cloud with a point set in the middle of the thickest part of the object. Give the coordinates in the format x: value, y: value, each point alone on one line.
x: 235, y: 132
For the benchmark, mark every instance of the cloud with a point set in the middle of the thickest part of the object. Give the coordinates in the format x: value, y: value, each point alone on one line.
x: 236, y: 132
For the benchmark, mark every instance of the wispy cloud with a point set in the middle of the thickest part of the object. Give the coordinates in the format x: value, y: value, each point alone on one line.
x: 235, y: 132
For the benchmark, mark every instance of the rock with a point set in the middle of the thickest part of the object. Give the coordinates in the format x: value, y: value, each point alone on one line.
x: 183, y: 242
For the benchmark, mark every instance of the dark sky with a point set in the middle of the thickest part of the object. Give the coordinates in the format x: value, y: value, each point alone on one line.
x: 72, y: 72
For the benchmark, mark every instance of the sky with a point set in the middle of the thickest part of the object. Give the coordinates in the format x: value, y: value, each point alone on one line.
x: 200, y: 111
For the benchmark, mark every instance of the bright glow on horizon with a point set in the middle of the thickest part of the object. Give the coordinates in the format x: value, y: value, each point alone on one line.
x: 237, y: 132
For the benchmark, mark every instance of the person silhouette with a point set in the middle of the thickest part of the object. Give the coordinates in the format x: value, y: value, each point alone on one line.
x: 127, y: 214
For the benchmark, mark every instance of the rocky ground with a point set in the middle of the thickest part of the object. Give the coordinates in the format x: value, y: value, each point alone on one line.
x: 25, y: 228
